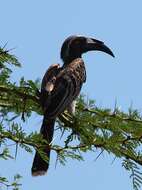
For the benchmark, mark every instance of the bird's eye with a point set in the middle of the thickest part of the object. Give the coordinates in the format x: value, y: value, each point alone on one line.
x: 76, y: 42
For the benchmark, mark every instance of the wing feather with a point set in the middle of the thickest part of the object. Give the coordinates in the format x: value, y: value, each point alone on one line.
x: 61, y: 86
x: 60, y: 97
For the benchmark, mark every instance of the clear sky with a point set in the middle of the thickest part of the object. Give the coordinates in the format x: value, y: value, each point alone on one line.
x: 37, y: 30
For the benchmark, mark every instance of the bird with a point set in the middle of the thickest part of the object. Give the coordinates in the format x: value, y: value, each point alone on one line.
x: 61, y: 85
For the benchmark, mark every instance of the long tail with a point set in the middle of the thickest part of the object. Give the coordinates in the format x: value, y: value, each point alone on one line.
x: 40, y: 166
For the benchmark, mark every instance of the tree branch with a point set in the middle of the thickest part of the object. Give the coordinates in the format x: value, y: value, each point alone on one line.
x: 19, y: 93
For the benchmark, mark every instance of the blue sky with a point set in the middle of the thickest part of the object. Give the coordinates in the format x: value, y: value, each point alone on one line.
x: 37, y: 29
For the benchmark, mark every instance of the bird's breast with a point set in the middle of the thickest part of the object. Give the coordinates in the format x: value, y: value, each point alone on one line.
x: 77, y: 70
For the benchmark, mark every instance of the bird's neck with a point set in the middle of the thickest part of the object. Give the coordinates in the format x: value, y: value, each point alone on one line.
x: 70, y: 59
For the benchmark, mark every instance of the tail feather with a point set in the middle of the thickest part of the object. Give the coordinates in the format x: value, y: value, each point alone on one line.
x: 40, y: 166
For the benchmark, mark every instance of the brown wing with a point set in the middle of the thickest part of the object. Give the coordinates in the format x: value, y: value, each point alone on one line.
x: 48, y: 83
x: 65, y: 88
x: 50, y: 77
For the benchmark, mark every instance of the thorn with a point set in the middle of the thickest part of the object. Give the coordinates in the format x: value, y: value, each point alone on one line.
x: 56, y: 162
x: 98, y: 155
x: 16, y: 151
x: 5, y: 45
x: 113, y: 160
x: 52, y: 141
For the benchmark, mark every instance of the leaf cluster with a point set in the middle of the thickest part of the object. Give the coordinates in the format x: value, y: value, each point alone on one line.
x: 5, y: 184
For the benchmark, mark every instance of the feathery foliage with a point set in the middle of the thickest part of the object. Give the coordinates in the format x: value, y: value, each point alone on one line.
x: 90, y: 129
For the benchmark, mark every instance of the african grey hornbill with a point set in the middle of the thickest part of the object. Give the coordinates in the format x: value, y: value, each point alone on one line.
x: 61, y: 86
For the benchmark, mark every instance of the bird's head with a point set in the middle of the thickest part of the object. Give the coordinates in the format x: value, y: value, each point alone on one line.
x: 74, y: 46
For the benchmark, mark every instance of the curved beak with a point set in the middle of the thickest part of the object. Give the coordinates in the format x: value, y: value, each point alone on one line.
x: 93, y: 44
